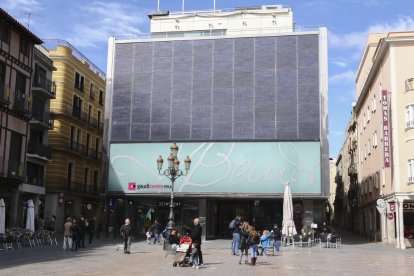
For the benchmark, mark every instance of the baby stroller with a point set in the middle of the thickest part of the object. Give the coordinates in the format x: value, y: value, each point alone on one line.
x: 182, y: 255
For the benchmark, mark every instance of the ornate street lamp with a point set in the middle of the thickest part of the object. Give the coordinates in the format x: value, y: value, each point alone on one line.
x: 173, y: 172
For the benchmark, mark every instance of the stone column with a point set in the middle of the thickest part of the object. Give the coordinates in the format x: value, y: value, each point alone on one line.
x: 202, y: 214
x: 400, y: 224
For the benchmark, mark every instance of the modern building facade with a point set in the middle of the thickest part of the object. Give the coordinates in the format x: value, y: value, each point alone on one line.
x: 16, y: 74
x: 381, y: 139
x: 244, y: 94
x: 74, y: 178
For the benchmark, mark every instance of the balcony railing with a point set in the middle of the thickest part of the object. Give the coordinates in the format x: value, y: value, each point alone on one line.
x: 39, y: 149
x: 37, y: 181
x: 42, y: 117
x: 20, y: 102
x: 80, y: 187
x: 409, y: 84
x: 411, y: 178
x: 16, y: 170
x: 4, y: 93
x: 78, y: 114
x: 46, y: 85
x: 352, y: 170
x: 78, y: 147
x: 410, y: 123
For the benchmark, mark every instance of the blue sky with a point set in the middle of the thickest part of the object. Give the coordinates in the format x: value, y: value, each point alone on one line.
x: 88, y: 24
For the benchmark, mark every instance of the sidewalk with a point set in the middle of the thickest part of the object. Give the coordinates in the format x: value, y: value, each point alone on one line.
x: 103, y: 258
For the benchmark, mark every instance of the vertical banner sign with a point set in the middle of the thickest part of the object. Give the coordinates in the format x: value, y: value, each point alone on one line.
x: 385, y: 128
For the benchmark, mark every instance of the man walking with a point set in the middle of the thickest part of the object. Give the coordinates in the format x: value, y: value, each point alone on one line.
x: 67, y: 233
x: 126, y: 233
x: 91, y: 229
x: 156, y: 229
x: 276, y: 237
x: 235, y: 227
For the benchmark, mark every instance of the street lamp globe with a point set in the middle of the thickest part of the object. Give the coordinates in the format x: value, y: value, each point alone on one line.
x: 174, y: 149
x: 160, y: 161
x: 170, y: 161
x: 187, y: 162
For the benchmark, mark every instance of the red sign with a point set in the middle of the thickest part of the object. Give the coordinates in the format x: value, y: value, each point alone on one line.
x: 390, y: 216
x: 386, y: 129
x: 392, y: 207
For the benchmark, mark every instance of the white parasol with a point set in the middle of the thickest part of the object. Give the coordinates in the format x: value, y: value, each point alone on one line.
x: 30, y: 216
x: 288, y: 226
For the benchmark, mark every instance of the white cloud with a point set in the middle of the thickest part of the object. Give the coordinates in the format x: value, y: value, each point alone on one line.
x: 358, y: 39
x: 336, y: 133
x: 344, y: 77
x: 21, y: 4
x: 105, y: 19
x: 340, y: 63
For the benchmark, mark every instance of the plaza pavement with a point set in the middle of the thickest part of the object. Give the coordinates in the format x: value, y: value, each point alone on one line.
x: 355, y: 257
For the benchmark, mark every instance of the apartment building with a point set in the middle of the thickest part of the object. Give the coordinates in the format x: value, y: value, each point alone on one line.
x: 74, y: 178
x: 16, y: 74
x: 244, y: 94
x: 385, y: 144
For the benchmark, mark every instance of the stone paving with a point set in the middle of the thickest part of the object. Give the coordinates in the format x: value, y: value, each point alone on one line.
x: 355, y: 257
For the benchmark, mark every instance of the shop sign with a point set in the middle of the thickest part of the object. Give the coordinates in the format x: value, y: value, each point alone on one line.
x: 408, y: 206
x: 385, y: 128
x: 392, y: 207
x: 390, y: 216
x: 165, y: 204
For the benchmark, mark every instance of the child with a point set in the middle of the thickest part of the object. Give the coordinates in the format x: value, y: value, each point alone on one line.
x: 149, y: 235
x: 265, y: 240
x: 194, y: 256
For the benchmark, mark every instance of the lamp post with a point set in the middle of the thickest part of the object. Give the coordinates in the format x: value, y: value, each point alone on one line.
x: 173, y: 172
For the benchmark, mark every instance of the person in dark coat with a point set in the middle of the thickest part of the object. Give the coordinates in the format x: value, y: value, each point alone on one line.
x: 75, y: 235
x: 236, y: 236
x: 126, y: 233
x: 196, y: 233
x: 243, y: 246
x: 156, y: 230
x: 82, y: 231
x: 91, y: 229
x: 277, y: 235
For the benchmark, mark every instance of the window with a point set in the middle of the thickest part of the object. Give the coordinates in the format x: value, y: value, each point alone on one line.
x: 92, y: 92
x: 95, y: 182
x: 2, y: 72
x: 374, y: 104
x: 85, y: 179
x: 368, y: 114
x: 411, y: 170
x: 365, y: 121
x: 15, y: 164
x: 88, y: 142
x: 90, y: 115
x: 97, y: 142
x: 69, y: 174
x: 409, y: 115
x: 5, y: 33
x: 24, y: 46
x: 39, y: 77
x: 79, y: 81
x: 369, y: 146
x: 375, y: 139
x: 101, y: 97
x: 77, y: 107
x: 99, y: 119
x: 365, y: 151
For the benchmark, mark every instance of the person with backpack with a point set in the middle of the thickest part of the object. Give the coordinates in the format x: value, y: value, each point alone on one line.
x: 235, y: 228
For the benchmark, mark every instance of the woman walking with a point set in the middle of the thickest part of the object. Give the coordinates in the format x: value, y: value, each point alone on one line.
x: 243, y: 246
x: 253, y: 241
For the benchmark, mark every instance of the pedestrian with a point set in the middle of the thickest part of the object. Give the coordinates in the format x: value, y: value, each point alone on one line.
x: 126, y: 233
x: 196, y: 233
x: 235, y: 228
x: 277, y: 236
x: 51, y: 225
x: 243, y: 246
x: 82, y: 232
x: 195, y: 261
x: 149, y: 236
x: 265, y: 241
x: 156, y: 230
x: 174, y: 239
x: 91, y: 229
x: 76, y: 235
x: 67, y: 234
x: 253, y: 242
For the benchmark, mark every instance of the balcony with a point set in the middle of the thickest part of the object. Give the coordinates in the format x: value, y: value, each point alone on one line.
x: 93, y: 154
x: 42, y: 151
x: 78, y: 148
x: 409, y: 84
x: 21, y: 105
x: 78, y: 187
x: 41, y: 119
x: 45, y: 87
x: 352, y: 170
x: 16, y: 170
x: 37, y: 181
x: 4, y: 94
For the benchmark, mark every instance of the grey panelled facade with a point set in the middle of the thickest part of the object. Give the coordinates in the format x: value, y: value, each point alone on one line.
x: 247, y: 88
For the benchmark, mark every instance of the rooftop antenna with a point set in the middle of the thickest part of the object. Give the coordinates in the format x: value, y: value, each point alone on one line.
x: 158, y: 6
x: 214, y: 6
x: 182, y: 7
x: 29, y: 16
